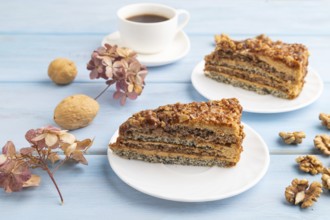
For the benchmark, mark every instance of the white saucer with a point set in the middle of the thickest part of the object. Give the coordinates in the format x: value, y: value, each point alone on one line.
x: 253, y: 102
x: 177, y: 50
x: 192, y: 183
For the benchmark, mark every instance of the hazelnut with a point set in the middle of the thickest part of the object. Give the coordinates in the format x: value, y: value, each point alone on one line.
x: 62, y: 71
x: 76, y: 111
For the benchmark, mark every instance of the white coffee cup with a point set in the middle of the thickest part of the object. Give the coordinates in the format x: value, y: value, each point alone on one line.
x: 150, y: 38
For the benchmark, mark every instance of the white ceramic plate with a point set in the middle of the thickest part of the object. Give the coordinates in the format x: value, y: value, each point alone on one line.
x: 196, y: 184
x: 253, y: 102
x: 176, y: 51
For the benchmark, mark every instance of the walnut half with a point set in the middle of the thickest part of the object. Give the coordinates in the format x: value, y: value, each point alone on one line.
x: 310, y: 164
x: 292, y: 137
x: 299, y: 192
x: 325, y: 118
x: 322, y: 142
x: 326, y: 178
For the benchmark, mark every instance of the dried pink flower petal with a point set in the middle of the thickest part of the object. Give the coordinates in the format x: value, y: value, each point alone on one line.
x: 27, y: 150
x: 33, y: 181
x: 13, y: 173
x: 9, y: 149
x: 3, y: 159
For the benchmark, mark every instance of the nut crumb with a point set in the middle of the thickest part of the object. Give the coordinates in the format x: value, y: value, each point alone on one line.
x: 322, y: 142
x: 292, y: 137
x: 300, y: 192
x: 326, y: 178
x: 325, y: 118
x: 310, y: 164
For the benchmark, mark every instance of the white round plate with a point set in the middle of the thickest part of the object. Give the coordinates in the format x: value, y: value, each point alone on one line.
x: 253, y: 102
x: 177, y: 50
x: 196, y: 184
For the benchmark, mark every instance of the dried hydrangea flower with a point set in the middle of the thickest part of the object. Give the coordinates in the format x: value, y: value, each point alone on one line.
x: 119, y: 66
x: 14, y: 172
x: 45, y: 143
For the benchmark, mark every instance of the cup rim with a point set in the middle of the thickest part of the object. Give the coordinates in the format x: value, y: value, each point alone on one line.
x: 122, y: 18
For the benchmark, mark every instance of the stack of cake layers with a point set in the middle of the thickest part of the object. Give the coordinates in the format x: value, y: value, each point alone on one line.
x: 259, y: 64
x: 200, y: 134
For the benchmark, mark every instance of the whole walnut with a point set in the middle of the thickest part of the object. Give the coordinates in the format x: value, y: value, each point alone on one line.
x: 76, y: 111
x: 62, y: 71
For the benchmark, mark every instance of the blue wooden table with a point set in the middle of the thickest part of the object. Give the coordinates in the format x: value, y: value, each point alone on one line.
x: 34, y: 33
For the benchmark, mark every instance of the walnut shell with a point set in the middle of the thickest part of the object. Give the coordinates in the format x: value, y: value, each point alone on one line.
x: 62, y: 71
x: 76, y: 111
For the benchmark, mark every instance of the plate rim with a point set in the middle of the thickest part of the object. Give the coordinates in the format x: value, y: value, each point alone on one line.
x: 200, y: 64
x: 162, y: 62
x: 258, y: 178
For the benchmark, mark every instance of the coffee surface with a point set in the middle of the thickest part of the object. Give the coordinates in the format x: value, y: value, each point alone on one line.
x: 147, y: 18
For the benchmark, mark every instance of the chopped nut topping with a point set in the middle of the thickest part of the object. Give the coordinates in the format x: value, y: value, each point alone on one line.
x: 322, y: 142
x: 310, y: 164
x: 292, y: 137
x: 326, y: 178
x: 293, y: 55
x: 325, y: 118
x: 299, y: 192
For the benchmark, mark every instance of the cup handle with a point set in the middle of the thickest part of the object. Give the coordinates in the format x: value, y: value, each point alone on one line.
x: 186, y: 17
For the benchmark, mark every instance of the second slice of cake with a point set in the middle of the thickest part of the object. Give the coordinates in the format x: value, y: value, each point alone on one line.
x: 200, y: 134
x: 259, y: 64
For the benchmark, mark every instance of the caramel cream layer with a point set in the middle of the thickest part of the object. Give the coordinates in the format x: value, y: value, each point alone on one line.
x: 266, y: 63
x: 224, y: 151
x: 189, y: 139
x: 251, y: 68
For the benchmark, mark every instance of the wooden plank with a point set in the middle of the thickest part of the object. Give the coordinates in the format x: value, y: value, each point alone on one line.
x: 30, y: 105
x: 233, y: 17
x: 25, y: 58
x: 96, y: 192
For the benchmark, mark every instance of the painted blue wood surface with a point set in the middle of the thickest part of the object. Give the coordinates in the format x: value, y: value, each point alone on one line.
x: 95, y: 192
x: 34, y: 33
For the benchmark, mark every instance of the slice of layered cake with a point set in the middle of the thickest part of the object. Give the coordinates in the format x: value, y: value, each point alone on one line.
x: 259, y: 64
x: 199, y: 134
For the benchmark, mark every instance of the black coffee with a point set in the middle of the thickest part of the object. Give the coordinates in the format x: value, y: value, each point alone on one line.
x: 147, y: 18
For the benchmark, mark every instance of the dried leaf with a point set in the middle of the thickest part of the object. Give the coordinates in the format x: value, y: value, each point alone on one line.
x: 33, y: 181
